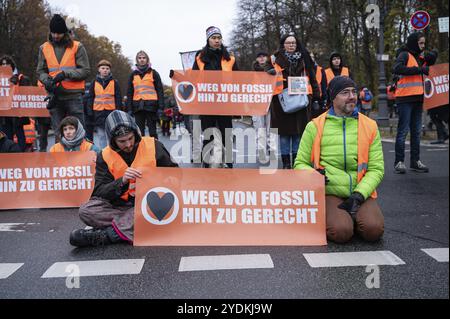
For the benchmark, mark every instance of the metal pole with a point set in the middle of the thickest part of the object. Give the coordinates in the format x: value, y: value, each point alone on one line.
x: 383, y: 111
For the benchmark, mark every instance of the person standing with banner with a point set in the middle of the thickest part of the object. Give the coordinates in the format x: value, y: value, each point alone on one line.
x: 63, y: 66
x: 110, y: 211
x: 345, y: 146
x: 215, y: 57
x: 13, y: 126
x: 145, y: 94
x: 292, y: 61
x: 411, y: 64
x: 72, y: 137
x: 103, y: 98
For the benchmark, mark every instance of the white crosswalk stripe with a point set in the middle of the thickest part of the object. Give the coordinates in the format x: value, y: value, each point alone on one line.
x: 95, y: 268
x: 225, y: 262
x: 439, y: 254
x: 7, y: 270
x: 352, y: 259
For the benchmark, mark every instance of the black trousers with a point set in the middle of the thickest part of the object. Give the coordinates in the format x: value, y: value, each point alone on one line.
x: 147, y: 119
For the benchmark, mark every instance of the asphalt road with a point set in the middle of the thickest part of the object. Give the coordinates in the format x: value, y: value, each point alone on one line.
x: 416, y: 211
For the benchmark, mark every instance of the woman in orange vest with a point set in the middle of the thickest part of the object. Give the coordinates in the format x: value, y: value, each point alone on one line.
x: 103, y: 98
x: 72, y: 137
x: 336, y: 68
x: 145, y: 94
x: 292, y: 60
x: 215, y: 57
x: 411, y: 64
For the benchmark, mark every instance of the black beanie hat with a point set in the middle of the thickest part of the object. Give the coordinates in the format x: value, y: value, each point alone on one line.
x: 338, y: 84
x: 412, y: 43
x: 58, y: 25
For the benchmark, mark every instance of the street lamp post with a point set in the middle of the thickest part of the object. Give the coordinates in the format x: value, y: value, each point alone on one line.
x: 383, y: 111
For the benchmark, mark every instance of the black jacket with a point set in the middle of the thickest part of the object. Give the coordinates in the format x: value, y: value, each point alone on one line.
x: 151, y: 106
x: 99, y: 117
x: 110, y: 189
x: 8, y: 146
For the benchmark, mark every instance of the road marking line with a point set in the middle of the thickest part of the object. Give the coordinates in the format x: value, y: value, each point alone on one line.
x: 439, y: 254
x: 7, y: 270
x: 225, y: 262
x: 9, y: 227
x: 96, y: 268
x: 350, y: 259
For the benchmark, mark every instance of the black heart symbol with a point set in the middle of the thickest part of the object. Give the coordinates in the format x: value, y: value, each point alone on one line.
x: 160, y: 206
x: 186, y: 90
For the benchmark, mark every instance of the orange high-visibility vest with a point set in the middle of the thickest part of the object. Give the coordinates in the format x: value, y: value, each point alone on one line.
x: 410, y: 84
x: 30, y: 132
x: 59, y: 148
x: 68, y: 62
x: 104, y: 98
x: 279, y: 87
x: 226, y: 65
x: 367, y: 132
x: 144, y: 88
x: 145, y: 157
x: 319, y: 78
x: 330, y: 75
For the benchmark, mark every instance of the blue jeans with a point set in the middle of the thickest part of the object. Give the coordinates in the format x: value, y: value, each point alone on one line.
x: 289, y: 144
x: 409, y: 119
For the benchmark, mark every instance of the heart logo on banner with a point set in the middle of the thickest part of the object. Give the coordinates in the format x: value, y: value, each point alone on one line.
x: 160, y: 206
x: 185, y: 91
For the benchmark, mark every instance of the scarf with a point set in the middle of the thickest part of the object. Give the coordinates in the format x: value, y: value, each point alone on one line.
x: 77, y: 140
x: 293, y: 57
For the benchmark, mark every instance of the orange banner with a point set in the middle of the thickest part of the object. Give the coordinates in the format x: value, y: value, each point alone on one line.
x: 223, y: 93
x: 46, y: 180
x: 220, y: 207
x: 6, y: 89
x: 28, y: 101
x: 436, y: 87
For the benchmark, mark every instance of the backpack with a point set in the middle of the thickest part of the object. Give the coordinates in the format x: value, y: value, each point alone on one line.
x: 367, y: 95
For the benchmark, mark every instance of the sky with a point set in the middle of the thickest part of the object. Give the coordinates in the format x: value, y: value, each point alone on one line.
x: 162, y: 28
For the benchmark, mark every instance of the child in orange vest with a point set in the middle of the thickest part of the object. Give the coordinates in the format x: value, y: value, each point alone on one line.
x: 73, y: 137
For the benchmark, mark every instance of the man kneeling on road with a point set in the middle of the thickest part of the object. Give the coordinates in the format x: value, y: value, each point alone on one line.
x: 110, y: 211
x: 345, y: 146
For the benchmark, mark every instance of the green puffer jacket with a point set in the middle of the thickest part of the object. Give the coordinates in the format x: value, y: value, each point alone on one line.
x: 339, y: 157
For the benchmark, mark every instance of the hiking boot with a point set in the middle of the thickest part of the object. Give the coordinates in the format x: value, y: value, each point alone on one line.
x: 93, y: 237
x: 400, y: 168
x: 418, y: 166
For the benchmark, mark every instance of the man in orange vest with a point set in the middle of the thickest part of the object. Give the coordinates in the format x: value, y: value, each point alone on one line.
x: 145, y: 94
x: 411, y: 64
x: 336, y: 68
x: 103, y: 98
x: 110, y: 211
x: 345, y: 146
x: 215, y: 57
x: 63, y: 66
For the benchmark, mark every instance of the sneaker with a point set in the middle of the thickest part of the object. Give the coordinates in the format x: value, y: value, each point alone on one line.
x: 418, y: 166
x: 400, y: 168
x: 89, y: 237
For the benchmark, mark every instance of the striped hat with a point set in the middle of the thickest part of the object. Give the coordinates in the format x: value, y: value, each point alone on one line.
x: 211, y: 31
x: 119, y: 123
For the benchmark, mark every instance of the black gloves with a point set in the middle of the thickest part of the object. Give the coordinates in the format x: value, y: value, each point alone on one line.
x: 14, y: 79
x: 49, y: 86
x: 353, y: 203
x: 425, y: 70
x: 322, y: 171
x: 272, y: 72
x: 316, y: 107
x: 171, y: 74
x: 59, y: 78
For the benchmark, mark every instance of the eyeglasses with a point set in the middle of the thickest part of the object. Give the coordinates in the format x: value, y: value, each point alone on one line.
x: 347, y: 93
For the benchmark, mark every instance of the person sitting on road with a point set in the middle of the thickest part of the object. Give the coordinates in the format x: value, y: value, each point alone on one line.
x: 72, y: 137
x: 345, y: 146
x: 111, y: 208
x: 8, y: 146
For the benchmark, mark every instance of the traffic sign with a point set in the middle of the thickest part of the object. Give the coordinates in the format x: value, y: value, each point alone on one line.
x: 420, y: 20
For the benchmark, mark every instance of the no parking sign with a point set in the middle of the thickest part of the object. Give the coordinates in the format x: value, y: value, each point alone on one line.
x: 420, y: 20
